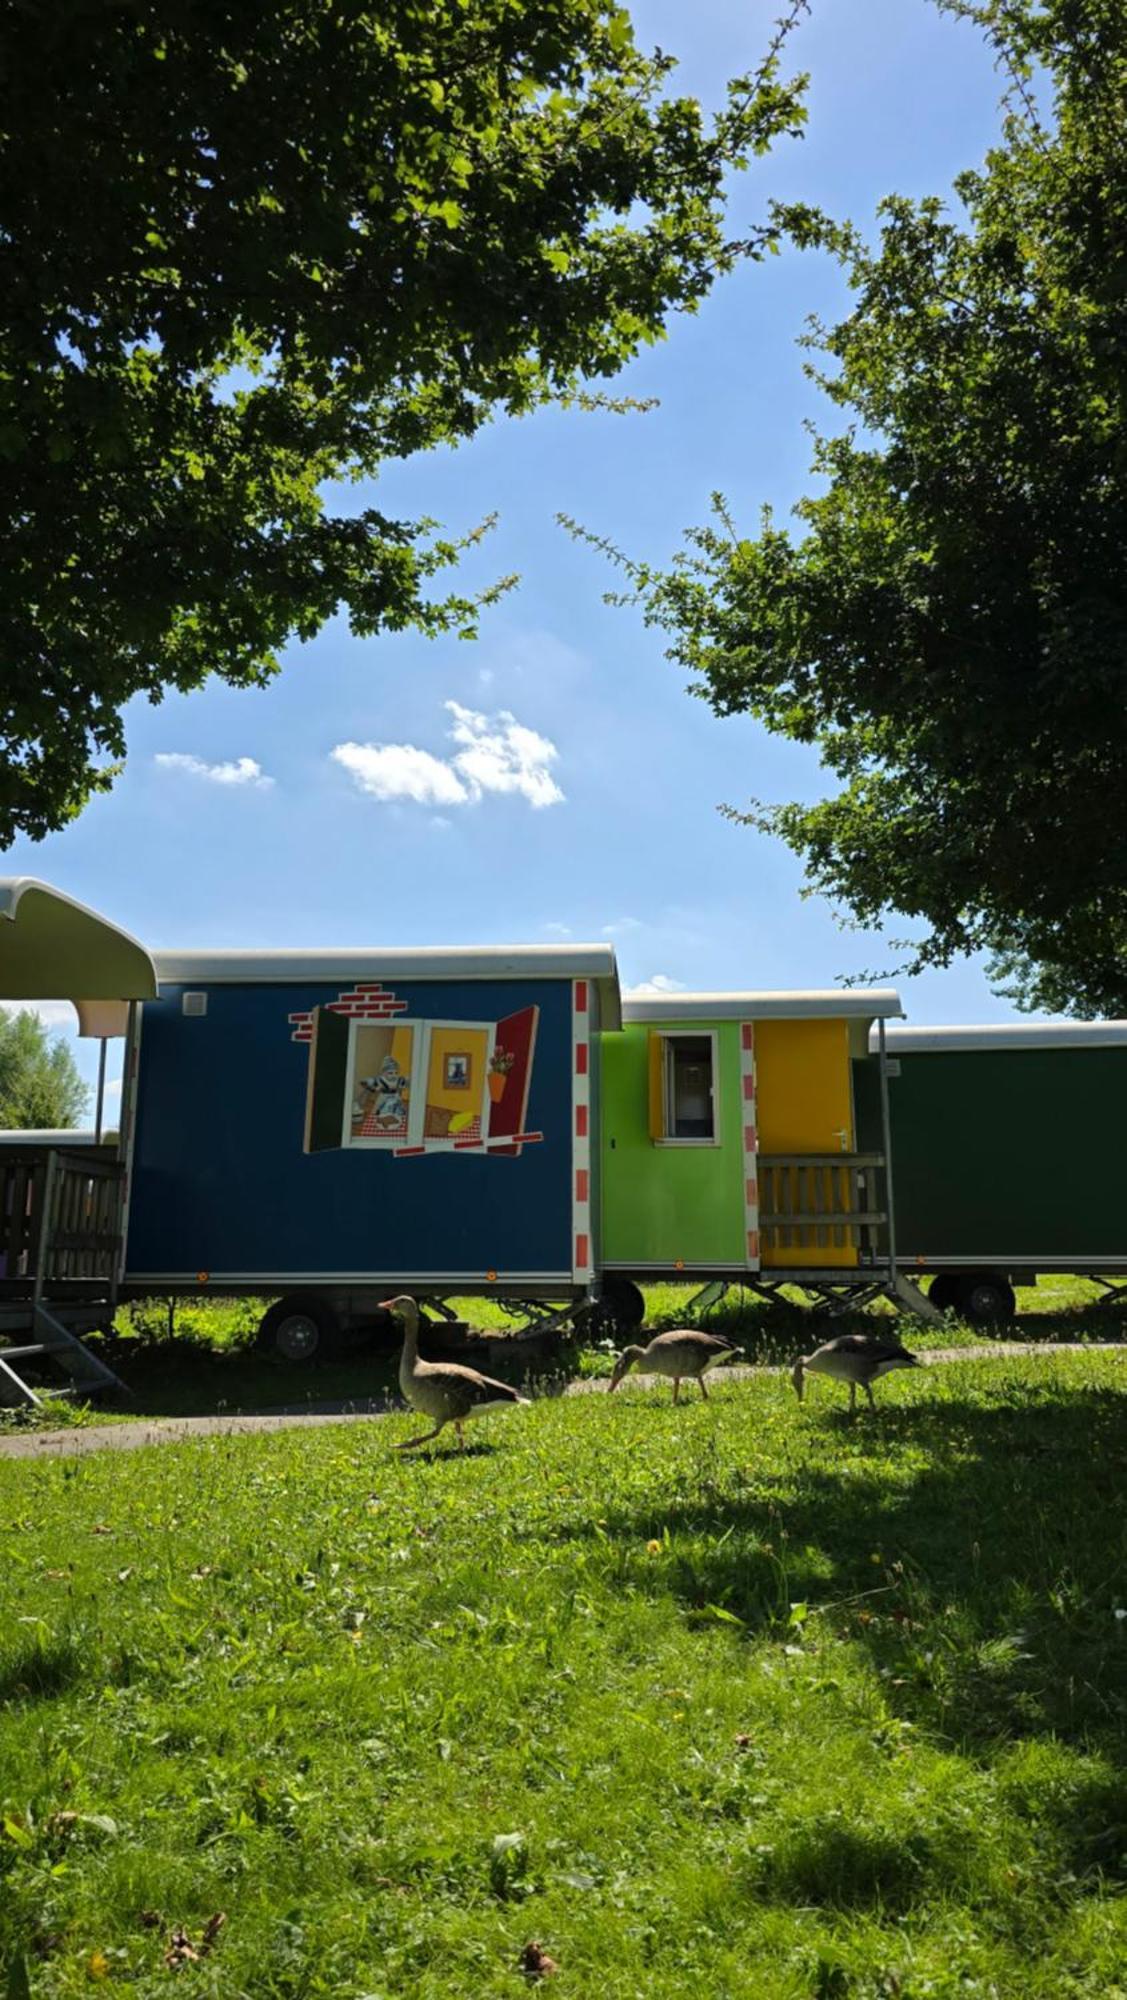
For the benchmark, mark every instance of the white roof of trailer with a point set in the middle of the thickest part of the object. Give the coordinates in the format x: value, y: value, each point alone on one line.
x: 52, y: 948
x: 1008, y: 1035
x: 857, y: 1002
x: 386, y: 963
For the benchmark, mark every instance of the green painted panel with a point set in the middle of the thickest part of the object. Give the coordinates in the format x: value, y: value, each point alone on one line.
x: 1002, y: 1153
x: 661, y: 1203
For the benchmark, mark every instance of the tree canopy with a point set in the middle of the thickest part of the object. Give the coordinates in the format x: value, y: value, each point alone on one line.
x: 246, y: 251
x: 948, y: 622
x: 40, y: 1087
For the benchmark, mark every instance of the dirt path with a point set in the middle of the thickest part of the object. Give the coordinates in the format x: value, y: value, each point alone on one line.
x: 177, y: 1430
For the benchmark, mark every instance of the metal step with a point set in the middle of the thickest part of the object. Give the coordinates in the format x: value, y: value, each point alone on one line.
x: 21, y: 1353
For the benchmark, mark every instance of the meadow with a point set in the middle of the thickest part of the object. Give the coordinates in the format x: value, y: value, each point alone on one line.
x: 730, y: 1700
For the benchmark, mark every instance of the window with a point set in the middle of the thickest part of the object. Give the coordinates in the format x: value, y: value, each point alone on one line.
x: 682, y: 1080
x: 419, y: 1086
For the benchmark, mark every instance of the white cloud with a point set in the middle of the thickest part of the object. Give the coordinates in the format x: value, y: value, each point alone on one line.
x: 621, y: 924
x: 556, y: 930
x: 495, y: 753
x: 399, y: 771
x: 52, y: 1013
x: 653, y: 989
x: 244, y: 770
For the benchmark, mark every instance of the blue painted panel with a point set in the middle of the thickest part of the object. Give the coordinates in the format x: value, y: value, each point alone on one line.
x: 222, y: 1184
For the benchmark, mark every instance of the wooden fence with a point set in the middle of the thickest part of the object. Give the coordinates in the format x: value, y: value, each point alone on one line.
x: 60, y: 1217
x: 821, y: 1201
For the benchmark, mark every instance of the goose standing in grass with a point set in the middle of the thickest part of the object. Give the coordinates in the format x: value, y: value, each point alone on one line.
x: 442, y: 1390
x: 680, y: 1353
x: 856, y: 1358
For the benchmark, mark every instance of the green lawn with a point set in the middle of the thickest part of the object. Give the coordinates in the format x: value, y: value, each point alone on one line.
x: 731, y: 1700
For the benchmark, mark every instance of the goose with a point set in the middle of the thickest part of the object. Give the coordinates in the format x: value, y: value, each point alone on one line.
x: 443, y: 1390
x: 856, y: 1358
x: 681, y: 1352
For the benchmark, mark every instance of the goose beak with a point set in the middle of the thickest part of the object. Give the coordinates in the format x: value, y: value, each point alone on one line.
x: 621, y: 1368
x: 798, y: 1377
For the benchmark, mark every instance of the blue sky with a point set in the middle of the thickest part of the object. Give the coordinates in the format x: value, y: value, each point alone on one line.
x: 616, y: 832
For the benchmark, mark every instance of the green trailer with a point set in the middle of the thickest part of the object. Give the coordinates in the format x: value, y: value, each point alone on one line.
x: 1009, y: 1151
x: 729, y: 1147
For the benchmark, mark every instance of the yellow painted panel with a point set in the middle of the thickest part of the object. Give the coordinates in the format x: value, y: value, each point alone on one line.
x: 805, y: 1105
x: 455, y: 1081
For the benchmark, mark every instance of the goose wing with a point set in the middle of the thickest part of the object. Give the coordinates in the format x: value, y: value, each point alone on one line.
x: 466, y: 1389
x: 692, y: 1340
x: 868, y: 1347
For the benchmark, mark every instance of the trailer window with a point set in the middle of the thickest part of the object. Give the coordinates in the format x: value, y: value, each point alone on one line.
x: 688, y: 1075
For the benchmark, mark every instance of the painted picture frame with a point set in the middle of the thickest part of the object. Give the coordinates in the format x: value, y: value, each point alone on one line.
x: 456, y: 1070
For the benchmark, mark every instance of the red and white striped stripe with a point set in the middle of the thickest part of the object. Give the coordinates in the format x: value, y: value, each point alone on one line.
x: 581, y: 1131
x: 749, y: 1115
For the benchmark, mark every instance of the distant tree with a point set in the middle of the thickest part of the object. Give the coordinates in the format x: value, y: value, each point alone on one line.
x: 248, y: 251
x: 40, y: 1087
x: 949, y: 625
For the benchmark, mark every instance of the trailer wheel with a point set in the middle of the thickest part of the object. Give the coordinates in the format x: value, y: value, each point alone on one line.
x: 943, y: 1292
x: 299, y: 1329
x: 625, y: 1302
x: 987, y: 1298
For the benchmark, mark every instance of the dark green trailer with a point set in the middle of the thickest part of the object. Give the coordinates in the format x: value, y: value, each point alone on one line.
x: 1009, y: 1152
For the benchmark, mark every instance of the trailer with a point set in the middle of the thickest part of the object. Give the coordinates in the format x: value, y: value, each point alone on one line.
x: 331, y: 1127
x: 1009, y: 1155
x: 730, y: 1146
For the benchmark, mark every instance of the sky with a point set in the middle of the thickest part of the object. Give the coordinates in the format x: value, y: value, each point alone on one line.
x: 553, y: 780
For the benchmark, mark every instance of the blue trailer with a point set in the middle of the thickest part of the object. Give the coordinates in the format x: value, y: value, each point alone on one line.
x: 335, y: 1126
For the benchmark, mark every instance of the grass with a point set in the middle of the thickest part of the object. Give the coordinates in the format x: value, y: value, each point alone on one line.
x: 198, y: 1358
x: 731, y: 1700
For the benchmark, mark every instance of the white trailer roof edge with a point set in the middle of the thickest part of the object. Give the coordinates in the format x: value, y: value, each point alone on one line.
x: 865, y: 1003
x: 1008, y: 1035
x: 472, y: 962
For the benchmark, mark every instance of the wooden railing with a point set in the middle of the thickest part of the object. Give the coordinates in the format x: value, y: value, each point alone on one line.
x: 822, y: 1201
x: 60, y: 1217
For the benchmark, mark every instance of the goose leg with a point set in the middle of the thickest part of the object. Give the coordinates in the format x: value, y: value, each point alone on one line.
x: 461, y: 1434
x: 703, y: 1390
x: 409, y: 1444
x: 853, y: 1399
x: 676, y: 1388
x: 869, y: 1394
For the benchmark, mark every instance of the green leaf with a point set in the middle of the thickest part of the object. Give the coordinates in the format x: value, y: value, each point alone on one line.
x: 19, y: 1985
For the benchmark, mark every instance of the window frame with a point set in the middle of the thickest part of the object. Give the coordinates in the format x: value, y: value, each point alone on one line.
x: 669, y: 1035
x: 422, y: 1031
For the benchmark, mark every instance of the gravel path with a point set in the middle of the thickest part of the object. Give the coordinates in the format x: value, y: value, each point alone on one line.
x: 176, y: 1430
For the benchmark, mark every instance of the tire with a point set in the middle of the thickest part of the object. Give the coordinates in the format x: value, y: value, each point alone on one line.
x: 985, y: 1298
x: 943, y: 1292
x: 299, y: 1330
x: 624, y: 1303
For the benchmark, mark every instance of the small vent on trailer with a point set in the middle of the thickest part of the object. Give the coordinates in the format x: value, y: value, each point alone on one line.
x: 194, y: 1004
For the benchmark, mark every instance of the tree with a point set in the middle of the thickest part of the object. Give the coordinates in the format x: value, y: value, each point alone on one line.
x: 949, y: 625
x: 247, y: 251
x: 40, y: 1088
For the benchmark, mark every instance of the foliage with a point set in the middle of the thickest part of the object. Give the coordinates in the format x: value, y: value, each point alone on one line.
x: 247, y: 252
x: 949, y: 625
x: 40, y: 1087
x: 731, y: 1699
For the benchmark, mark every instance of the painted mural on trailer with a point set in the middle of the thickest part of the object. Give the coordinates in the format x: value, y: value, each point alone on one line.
x: 380, y: 1080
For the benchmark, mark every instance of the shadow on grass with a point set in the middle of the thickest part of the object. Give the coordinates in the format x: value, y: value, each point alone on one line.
x: 975, y: 1549
x: 773, y: 1332
x: 39, y: 1667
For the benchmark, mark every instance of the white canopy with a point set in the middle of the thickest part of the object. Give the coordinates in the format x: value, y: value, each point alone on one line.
x: 52, y: 948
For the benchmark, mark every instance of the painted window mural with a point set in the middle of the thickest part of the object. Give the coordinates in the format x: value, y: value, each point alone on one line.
x: 378, y: 1079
